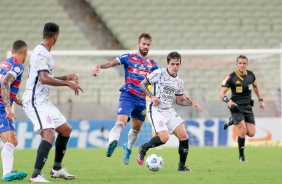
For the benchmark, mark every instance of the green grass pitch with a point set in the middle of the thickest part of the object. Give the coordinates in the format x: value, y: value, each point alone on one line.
x: 210, y: 165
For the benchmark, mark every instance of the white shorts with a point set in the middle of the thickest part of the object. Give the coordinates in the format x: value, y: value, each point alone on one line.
x: 164, y: 119
x: 44, y: 116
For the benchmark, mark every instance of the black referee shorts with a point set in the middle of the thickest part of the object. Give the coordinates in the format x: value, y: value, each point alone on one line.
x: 242, y: 112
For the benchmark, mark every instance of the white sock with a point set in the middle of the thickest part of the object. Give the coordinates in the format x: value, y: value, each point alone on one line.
x: 132, y: 138
x: 115, y: 131
x: 7, y: 157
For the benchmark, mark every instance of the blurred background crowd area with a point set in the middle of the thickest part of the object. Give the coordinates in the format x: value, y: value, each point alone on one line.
x: 174, y: 25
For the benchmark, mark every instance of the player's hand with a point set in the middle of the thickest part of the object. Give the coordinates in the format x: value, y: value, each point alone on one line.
x: 197, y: 106
x: 72, y: 77
x: 155, y: 100
x: 96, y: 70
x: 75, y: 87
x: 18, y: 101
x: 9, y: 113
x: 231, y: 104
x: 185, y: 96
x: 261, y: 105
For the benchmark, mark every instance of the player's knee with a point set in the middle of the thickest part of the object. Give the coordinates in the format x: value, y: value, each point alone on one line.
x: 251, y: 133
x: 13, y: 141
x: 119, y: 125
x: 164, y: 138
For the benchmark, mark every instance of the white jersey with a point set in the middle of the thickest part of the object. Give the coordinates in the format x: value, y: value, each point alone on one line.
x: 35, y: 92
x: 165, y: 87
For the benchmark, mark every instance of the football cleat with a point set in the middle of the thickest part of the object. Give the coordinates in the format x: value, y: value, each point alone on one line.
x: 183, y: 168
x: 141, y: 155
x: 229, y: 123
x: 242, y: 159
x: 62, y: 173
x: 38, y: 179
x: 14, y: 176
x: 111, y: 148
x: 127, y: 153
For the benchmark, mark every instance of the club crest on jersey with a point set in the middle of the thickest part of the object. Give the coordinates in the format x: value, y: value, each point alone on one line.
x: 161, y: 123
x: 17, y: 69
x: 49, y: 119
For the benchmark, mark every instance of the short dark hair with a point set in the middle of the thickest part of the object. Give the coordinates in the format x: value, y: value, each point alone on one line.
x: 145, y: 35
x: 173, y: 55
x: 50, y: 29
x: 18, y: 45
x: 242, y: 57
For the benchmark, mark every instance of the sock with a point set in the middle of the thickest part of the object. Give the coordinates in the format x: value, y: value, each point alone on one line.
x: 115, y: 131
x: 241, y: 146
x: 41, y: 158
x: 60, y: 150
x: 7, y: 157
x: 183, y: 149
x: 132, y: 137
x: 154, y: 142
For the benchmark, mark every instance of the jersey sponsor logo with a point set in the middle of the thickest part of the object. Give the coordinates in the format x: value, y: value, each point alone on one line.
x: 119, y: 109
x: 138, y: 72
x: 238, y: 82
x: 225, y: 80
x: 5, y: 65
x: 17, y: 69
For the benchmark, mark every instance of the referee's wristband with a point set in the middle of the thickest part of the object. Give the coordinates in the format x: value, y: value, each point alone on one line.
x: 226, y: 99
x: 261, y: 99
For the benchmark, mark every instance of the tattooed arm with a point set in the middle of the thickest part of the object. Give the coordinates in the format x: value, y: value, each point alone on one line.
x: 183, y: 101
x: 144, y: 86
x: 5, y: 92
x: 105, y: 65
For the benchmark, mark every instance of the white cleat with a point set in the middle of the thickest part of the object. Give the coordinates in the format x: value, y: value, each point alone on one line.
x: 38, y: 179
x: 62, y: 173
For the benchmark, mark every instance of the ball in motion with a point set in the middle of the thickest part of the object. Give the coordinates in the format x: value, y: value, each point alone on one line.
x: 154, y: 162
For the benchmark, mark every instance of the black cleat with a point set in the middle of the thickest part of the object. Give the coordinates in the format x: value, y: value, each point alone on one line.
x: 242, y: 159
x: 183, y: 168
x: 229, y: 123
x: 141, y: 155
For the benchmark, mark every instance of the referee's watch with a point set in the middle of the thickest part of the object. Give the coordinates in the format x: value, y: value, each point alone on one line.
x: 260, y: 99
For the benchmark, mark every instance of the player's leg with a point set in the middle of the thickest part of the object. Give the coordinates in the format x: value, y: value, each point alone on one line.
x: 183, y: 148
x: 64, y: 131
x: 124, y: 110
x: 10, y: 142
x: 46, y: 128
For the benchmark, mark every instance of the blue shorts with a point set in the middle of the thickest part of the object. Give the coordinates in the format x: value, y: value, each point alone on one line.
x: 5, y: 124
x: 132, y: 106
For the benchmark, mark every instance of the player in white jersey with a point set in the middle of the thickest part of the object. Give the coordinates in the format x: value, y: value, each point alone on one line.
x: 46, y: 118
x: 166, y: 85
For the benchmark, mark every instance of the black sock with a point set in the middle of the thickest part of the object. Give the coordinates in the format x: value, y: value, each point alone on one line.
x: 154, y: 142
x: 241, y: 146
x: 183, y: 151
x: 41, y: 158
x: 60, y: 149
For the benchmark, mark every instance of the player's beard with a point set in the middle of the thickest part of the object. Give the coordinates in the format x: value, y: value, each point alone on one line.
x: 143, y: 53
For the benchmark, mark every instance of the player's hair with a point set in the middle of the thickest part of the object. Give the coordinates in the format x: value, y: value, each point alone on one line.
x: 145, y: 35
x: 50, y: 29
x: 173, y: 55
x: 18, y: 45
x: 242, y: 57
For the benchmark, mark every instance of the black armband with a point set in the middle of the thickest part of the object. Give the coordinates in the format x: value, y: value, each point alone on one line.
x: 226, y: 99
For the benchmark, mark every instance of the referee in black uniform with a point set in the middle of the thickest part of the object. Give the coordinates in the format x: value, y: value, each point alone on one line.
x: 241, y: 82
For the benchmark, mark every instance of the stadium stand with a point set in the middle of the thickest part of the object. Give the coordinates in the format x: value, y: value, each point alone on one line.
x: 174, y: 25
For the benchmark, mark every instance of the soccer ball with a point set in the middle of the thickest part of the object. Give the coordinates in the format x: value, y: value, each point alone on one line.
x: 154, y: 162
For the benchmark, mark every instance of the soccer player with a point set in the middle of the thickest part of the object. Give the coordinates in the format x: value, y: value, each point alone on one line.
x: 11, y: 71
x: 167, y: 85
x: 132, y: 103
x: 46, y: 118
x: 241, y: 82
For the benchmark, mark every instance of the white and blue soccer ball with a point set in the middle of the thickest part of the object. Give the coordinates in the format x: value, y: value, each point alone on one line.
x: 154, y: 162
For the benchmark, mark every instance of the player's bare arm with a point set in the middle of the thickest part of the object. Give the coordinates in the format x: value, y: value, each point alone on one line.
x: 70, y: 77
x: 105, y: 65
x: 144, y: 86
x: 183, y: 101
x: 46, y: 79
x: 256, y: 90
x: 18, y: 101
x: 5, y: 92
